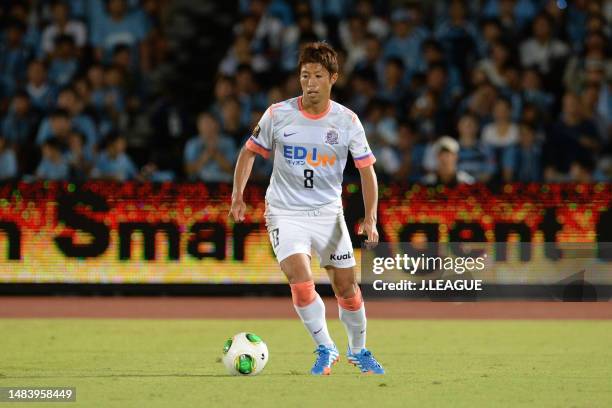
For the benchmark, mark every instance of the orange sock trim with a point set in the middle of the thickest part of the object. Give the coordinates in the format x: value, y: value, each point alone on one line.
x: 303, y: 293
x: 353, y: 303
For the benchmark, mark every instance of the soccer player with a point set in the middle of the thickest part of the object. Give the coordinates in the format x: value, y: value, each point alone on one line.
x: 310, y: 137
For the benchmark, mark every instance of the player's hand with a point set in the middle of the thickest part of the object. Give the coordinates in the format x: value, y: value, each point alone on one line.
x: 368, y: 228
x: 238, y: 209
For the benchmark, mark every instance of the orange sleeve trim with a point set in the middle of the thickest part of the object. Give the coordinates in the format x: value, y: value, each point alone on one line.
x: 365, y: 161
x: 257, y: 148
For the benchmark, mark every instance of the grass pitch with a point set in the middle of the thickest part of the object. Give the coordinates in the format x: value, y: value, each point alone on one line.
x: 167, y: 363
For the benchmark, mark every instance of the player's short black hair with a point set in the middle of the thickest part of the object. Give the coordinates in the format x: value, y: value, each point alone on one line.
x: 319, y: 53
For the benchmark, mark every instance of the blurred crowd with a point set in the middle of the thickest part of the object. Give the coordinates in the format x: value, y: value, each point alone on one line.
x: 448, y: 91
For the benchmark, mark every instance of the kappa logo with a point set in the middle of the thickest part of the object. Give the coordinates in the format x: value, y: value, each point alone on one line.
x: 331, y: 137
x: 341, y: 257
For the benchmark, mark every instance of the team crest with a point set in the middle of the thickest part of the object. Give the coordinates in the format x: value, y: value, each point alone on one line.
x: 332, y: 137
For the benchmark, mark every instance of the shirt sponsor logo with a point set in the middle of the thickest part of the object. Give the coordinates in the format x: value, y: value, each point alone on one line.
x: 299, y: 156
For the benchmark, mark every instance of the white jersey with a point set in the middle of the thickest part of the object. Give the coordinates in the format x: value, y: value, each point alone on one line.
x: 310, y: 152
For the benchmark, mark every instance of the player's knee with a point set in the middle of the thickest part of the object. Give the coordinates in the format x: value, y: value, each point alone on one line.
x: 303, y: 293
x: 350, y: 299
x: 345, y: 286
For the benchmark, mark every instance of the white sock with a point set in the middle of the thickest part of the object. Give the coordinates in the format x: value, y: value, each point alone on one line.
x: 355, y: 323
x: 313, y: 317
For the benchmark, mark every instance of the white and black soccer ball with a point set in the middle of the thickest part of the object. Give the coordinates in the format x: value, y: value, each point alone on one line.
x: 245, y: 354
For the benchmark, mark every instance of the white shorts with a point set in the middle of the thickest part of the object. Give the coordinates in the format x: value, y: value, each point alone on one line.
x: 298, y: 232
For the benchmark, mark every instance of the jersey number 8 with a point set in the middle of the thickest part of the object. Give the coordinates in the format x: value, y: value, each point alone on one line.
x: 308, y: 178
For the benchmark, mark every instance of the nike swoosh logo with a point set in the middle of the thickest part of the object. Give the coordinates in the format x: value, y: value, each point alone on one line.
x: 318, y: 331
x: 289, y: 134
x: 361, y: 332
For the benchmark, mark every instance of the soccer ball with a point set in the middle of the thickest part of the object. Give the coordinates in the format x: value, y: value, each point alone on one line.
x: 245, y: 354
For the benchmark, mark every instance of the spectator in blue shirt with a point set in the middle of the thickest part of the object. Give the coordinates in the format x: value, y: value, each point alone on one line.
x: 78, y: 156
x: 458, y: 36
x: 521, y: 162
x: 20, y: 123
x: 392, y: 88
x: 57, y: 125
x: 475, y: 158
x: 14, y: 55
x: 8, y: 161
x: 53, y: 165
x: 64, y: 63
x: 113, y: 163
x: 118, y: 27
x: 406, y: 40
x: 42, y: 93
x: 69, y: 101
x: 209, y: 156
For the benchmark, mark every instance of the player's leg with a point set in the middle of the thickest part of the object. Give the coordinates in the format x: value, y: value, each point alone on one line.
x: 352, y: 313
x: 291, y: 240
x: 311, y: 309
x: 307, y: 302
x: 336, y: 252
x: 351, y: 307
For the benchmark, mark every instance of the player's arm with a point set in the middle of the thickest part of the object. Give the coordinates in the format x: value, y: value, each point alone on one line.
x: 369, y: 187
x: 244, y: 165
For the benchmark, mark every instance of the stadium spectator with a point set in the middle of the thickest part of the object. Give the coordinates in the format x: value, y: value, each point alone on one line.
x: 406, y: 40
x: 570, y: 139
x: 78, y: 156
x: 69, y: 101
x: 42, y: 93
x: 14, y: 55
x: 543, y: 50
x: 391, y: 89
x: 521, y: 162
x: 64, y: 63
x: 372, y: 60
x: 446, y: 150
x: 534, y: 93
x: 404, y: 163
x: 240, y: 53
x: 209, y: 156
x: 118, y: 26
x: 493, y: 66
x: 502, y: 132
x: 353, y: 39
x: 56, y: 126
x: 231, y: 121
x: 304, y: 30
x: 433, y: 55
x: 458, y: 36
x: 20, y: 122
x: 8, y: 160
x: 62, y: 25
x: 113, y: 163
x: 53, y: 165
x: 475, y: 158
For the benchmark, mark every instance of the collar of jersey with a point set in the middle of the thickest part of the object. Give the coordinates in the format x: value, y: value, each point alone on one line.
x: 310, y: 115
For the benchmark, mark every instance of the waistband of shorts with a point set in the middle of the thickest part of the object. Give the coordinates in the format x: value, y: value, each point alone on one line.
x: 331, y: 209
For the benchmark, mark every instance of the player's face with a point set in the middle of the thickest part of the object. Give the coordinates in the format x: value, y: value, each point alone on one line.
x: 316, y: 82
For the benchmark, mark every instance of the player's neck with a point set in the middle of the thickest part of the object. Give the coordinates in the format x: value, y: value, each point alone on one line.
x: 314, y: 109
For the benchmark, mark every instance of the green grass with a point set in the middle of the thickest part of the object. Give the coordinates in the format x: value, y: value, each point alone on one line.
x: 166, y: 363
